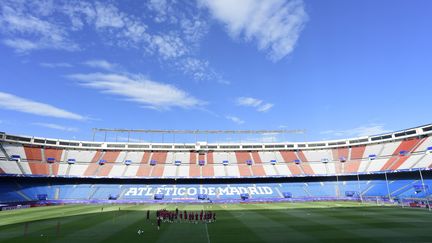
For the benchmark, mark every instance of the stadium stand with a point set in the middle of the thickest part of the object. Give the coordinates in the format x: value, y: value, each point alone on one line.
x: 408, y: 151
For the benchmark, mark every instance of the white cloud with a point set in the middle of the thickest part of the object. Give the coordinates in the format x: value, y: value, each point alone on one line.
x: 169, y: 46
x: 248, y: 101
x: 235, y: 119
x: 265, y: 107
x: 102, y: 64
x: 21, y: 45
x: 274, y: 24
x: 199, y: 69
x: 162, y: 9
x: 28, y: 32
x: 56, y: 65
x: 12, y: 102
x: 57, y: 127
x: 137, y: 88
x: 64, y: 25
x: 367, y: 130
x: 258, y: 104
x: 108, y: 15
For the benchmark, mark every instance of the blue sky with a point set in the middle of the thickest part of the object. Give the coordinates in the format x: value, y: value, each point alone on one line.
x: 338, y: 69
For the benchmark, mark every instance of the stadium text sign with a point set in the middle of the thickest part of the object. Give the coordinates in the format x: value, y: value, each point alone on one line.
x: 192, y: 191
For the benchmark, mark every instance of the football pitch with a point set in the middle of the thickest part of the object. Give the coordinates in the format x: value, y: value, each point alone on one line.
x: 277, y: 222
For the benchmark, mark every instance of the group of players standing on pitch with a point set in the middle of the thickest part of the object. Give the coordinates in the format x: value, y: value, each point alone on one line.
x: 177, y: 216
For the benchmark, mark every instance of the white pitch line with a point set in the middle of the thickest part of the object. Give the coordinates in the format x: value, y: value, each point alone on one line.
x: 208, y: 236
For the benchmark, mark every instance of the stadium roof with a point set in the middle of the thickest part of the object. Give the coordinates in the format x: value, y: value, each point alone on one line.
x: 297, y: 131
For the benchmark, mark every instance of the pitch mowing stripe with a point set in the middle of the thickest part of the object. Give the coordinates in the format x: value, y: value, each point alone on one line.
x: 317, y: 226
x: 18, y: 229
x: 347, y: 224
x: 44, y: 213
x: 105, y: 227
x: 380, y: 225
x: 229, y: 228
x: 91, y: 224
x: 48, y: 227
x: 377, y: 227
x: 312, y: 223
x: 54, y: 213
x: 271, y: 226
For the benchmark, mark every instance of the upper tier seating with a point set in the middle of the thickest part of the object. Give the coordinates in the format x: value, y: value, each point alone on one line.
x: 340, y: 160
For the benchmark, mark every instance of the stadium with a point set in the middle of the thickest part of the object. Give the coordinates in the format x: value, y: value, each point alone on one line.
x: 389, y: 169
x: 215, y: 121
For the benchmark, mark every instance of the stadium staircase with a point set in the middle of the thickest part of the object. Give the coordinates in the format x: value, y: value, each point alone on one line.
x: 367, y: 166
x: 125, y: 170
x: 100, y: 166
x: 102, y: 154
x: 420, y: 142
x: 64, y: 156
x: 124, y: 157
x: 4, y: 152
x: 253, y: 163
x: 19, y: 192
x: 50, y: 169
x: 305, y: 188
x: 276, y: 170
x: 418, y: 161
x: 68, y: 170
x: 64, y: 160
x: 326, y: 167
x: 366, y: 190
x: 122, y: 192
x: 395, y: 160
x: 177, y: 171
x: 20, y: 167
x: 97, y: 170
x: 151, y: 170
x: 279, y: 192
x: 342, y: 168
x: 381, y: 150
x: 300, y: 165
x: 43, y: 155
x: 250, y: 170
x: 205, y: 164
x: 301, y: 169
x: 251, y: 158
x: 404, y: 188
x: 57, y: 193
x: 93, y: 192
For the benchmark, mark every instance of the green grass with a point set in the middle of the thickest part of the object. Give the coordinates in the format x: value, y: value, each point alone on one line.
x: 278, y: 222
